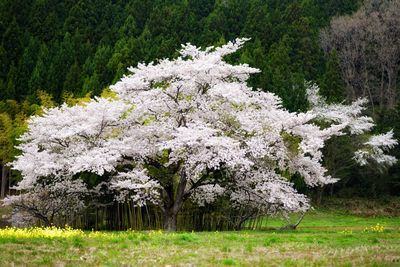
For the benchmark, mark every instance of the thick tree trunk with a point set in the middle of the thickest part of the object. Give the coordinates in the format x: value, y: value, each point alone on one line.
x: 170, y: 221
x: 171, y: 214
x: 172, y: 205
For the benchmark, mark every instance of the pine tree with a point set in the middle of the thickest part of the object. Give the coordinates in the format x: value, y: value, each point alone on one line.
x: 72, y: 81
x: 331, y: 83
x: 39, y: 73
x: 10, y: 91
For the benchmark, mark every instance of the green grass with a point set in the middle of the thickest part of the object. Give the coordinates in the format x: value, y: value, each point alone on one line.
x: 329, y: 220
x: 323, y: 239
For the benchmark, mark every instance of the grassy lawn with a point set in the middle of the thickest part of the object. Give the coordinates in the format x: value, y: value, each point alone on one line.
x: 323, y: 239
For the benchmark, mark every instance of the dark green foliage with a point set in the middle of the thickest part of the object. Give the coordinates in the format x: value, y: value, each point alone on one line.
x: 11, y: 79
x: 331, y: 83
x: 72, y: 81
x: 84, y: 46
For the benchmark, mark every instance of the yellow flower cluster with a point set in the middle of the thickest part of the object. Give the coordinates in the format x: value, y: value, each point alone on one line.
x: 98, y: 234
x: 346, y: 232
x: 378, y: 228
x: 156, y: 232
x: 67, y: 232
x: 37, y: 232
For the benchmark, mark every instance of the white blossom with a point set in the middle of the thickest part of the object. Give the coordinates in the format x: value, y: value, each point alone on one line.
x: 136, y: 186
x: 375, y: 149
x: 196, y: 116
x: 46, y: 202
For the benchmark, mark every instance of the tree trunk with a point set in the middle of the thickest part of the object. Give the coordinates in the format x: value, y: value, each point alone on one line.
x: 9, y: 180
x: 172, y: 205
x: 320, y: 193
x: 392, y: 87
x: 381, y: 91
x: 170, y: 220
x: 3, y: 181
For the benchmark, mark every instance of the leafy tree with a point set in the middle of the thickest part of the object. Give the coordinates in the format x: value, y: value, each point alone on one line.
x: 46, y: 100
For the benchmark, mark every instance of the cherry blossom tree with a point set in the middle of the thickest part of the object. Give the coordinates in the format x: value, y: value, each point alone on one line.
x: 47, y: 202
x: 191, y: 129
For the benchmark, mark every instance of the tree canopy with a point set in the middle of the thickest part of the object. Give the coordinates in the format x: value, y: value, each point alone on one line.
x: 207, y: 134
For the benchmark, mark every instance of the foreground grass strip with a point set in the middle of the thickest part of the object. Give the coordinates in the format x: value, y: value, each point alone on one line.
x: 322, y: 245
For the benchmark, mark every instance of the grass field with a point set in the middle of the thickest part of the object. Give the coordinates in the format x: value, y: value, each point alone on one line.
x: 323, y: 239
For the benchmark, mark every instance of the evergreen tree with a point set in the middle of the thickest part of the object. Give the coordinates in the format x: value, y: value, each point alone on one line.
x: 72, y: 81
x: 38, y: 76
x: 12, y: 42
x: 331, y: 83
x: 100, y: 60
x: 92, y: 84
x: 11, y: 80
x: 27, y: 65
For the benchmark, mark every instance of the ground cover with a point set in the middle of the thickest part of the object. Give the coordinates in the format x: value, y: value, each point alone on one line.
x: 323, y: 238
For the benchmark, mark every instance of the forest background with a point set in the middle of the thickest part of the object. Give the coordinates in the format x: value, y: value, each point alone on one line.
x: 65, y: 51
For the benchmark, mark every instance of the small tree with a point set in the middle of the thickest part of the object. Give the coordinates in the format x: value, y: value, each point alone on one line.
x: 46, y: 202
x: 190, y: 128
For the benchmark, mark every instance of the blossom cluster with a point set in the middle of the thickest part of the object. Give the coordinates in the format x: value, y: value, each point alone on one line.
x: 194, y: 115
